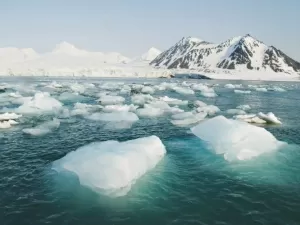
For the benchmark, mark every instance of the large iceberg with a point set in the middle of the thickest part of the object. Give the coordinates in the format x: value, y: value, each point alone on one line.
x: 234, y: 139
x: 112, y: 167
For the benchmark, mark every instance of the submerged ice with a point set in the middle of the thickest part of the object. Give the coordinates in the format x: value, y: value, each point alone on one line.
x: 112, y: 167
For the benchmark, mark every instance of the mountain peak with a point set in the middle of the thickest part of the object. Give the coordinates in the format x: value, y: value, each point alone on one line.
x: 151, y: 54
x: 67, y: 48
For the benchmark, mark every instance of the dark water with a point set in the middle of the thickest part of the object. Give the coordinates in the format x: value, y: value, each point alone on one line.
x: 190, y: 185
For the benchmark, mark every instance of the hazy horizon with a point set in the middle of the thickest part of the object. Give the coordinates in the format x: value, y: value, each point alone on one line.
x: 132, y: 27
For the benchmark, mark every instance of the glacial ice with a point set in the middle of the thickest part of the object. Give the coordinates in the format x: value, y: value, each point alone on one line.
x: 261, y: 89
x: 188, y: 120
x: 149, y: 111
x: 5, y: 124
x: 181, y: 116
x: 9, y: 116
x: 141, y: 99
x: 148, y: 90
x: 234, y: 139
x: 242, y: 92
x: 233, y: 86
x: 111, y: 100
x: 77, y: 88
x: 111, y: 167
x: 120, y: 108
x: 173, y: 101
x: 200, y: 103
x: 40, y: 103
x: 250, y: 118
x: 269, y: 118
x: 43, y: 128
x: 209, y: 109
x: 83, y: 109
x: 183, y: 91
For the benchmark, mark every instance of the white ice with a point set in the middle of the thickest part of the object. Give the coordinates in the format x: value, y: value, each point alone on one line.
x: 148, y: 90
x: 119, y: 108
x: 244, y: 107
x: 250, y: 118
x: 185, y: 120
x: 269, y: 118
x: 114, y: 117
x: 43, y: 128
x: 9, y: 116
x: 183, y: 91
x: 173, y: 101
x: 199, y: 103
x: 261, y: 89
x: 111, y: 100
x: 149, y: 111
x: 40, y: 103
x: 242, y: 92
x: 209, y: 109
x: 141, y: 99
x: 111, y: 167
x: 234, y: 139
x: 235, y: 112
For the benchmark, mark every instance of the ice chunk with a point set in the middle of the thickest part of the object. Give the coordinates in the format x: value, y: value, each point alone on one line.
x: 209, y: 109
x: 114, y: 117
x: 233, y: 86
x: 111, y: 167
x: 244, y: 107
x: 242, y: 92
x: 149, y: 111
x: 77, y: 88
x: 67, y: 96
x: 83, y: 109
x: 111, y: 100
x: 236, y: 112
x: 269, y: 118
x: 173, y: 101
x: 234, y: 139
x: 15, y: 95
x: 261, y: 89
x: 120, y: 108
x: 140, y: 99
x: 194, y: 118
x: 250, y: 118
x: 278, y: 89
x: 41, y: 102
x: 148, y: 90
x: 9, y: 116
x: 183, y: 91
x: 199, y: 103
x: 181, y: 116
x: 43, y: 129
x: 5, y: 124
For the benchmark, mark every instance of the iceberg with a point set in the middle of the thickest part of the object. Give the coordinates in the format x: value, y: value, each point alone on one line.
x: 269, y: 118
x: 9, y: 116
x: 209, y: 109
x: 250, y: 118
x: 173, y: 101
x: 149, y: 111
x: 148, y: 90
x: 261, y: 89
x: 236, y: 140
x: 43, y: 128
x: 41, y: 102
x: 111, y: 100
x: 120, y: 108
x: 111, y: 167
x: 188, y: 120
x: 141, y: 99
x: 183, y: 91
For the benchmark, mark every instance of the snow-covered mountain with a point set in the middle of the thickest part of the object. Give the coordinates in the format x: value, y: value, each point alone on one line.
x: 151, y: 54
x: 239, y: 53
x: 12, y: 55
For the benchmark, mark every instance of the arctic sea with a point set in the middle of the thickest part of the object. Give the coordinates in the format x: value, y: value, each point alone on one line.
x: 190, y: 185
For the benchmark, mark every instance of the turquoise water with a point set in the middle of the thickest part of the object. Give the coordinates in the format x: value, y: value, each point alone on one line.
x: 191, y: 185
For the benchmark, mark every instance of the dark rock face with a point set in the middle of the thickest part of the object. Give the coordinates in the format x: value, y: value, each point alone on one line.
x: 242, y: 52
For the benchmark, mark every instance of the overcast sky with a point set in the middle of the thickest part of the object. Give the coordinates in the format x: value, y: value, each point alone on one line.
x: 132, y: 26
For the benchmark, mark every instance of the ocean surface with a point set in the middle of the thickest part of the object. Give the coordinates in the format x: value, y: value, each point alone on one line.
x: 190, y: 185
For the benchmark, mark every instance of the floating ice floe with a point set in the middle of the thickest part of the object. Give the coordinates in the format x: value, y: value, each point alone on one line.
x: 67, y: 96
x: 234, y: 139
x: 173, y: 101
x: 261, y: 89
x: 183, y: 91
x: 250, y: 118
x: 233, y: 86
x: 205, y: 90
x: 236, y: 112
x: 125, y: 90
x: 269, y: 118
x: 84, y: 109
x: 244, y: 107
x: 148, y: 90
x: 119, y: 108
x: 186, y: 119
x: 199, y: 103
x: 78, y: 88
x: 209, y: 109
x: 43, y: 128
x: 9, y: 116
x: 111, y: 100
x: 277, y: 89
x: 111, y: 167
x: 149, y: 111
x: 141, y: 99
x: 242, y: 92
x: 40, y: 103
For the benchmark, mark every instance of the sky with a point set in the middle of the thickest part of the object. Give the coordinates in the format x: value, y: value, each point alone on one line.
x: 133, y: 26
